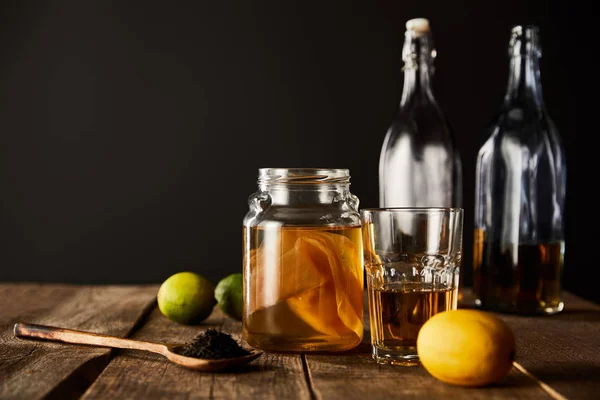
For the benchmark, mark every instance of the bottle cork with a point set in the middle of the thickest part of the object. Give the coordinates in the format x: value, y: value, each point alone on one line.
x: 418, y: 25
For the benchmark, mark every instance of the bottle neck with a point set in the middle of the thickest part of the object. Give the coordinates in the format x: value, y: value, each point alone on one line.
x: 418, y: 56
x: 524, y: 83
x: 416, y: 84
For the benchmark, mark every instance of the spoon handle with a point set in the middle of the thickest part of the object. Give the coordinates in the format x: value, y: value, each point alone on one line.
x: 79, y: 337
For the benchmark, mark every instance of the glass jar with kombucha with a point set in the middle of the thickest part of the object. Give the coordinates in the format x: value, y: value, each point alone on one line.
x: 303, y: 262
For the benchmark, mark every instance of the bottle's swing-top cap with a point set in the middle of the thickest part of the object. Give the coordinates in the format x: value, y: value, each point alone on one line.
x: 525, y: 40
x: 418, y: 25
x: 418, y: 35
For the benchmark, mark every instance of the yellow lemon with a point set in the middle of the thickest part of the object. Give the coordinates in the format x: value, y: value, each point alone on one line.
x: 466, y: 347
x: 186, y: 298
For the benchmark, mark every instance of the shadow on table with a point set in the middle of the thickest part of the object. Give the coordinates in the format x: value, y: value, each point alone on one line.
x: 567, y: 314
x: 513, y: 380
x: 577, y: 315
x: 566, y: 372
x: 551, y: 375
x: 142, y: 357
x: 248, y: 368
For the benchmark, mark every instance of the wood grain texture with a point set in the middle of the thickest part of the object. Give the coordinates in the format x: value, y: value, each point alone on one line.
x: 33, y: 369
x: 354, y: 375
x: 562, y: 350
x: 139, y: 375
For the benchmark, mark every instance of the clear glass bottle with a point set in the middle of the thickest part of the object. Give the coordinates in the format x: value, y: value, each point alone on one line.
x: 419, y: 164
x: 303, y: 262
x: 520, y: 195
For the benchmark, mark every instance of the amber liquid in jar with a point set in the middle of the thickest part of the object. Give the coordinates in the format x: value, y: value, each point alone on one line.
x: 303, y: 288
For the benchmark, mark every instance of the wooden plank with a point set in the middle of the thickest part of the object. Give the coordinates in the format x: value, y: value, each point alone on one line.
x: 354, y: 375
x: 562, y: 350
x: 32, y: 369
x: 133, y: 374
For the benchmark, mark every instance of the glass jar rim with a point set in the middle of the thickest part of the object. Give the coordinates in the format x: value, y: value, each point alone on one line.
x: 303, y: 176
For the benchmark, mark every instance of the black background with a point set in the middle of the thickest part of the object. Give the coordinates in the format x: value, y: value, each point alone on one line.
x: 131, y: 132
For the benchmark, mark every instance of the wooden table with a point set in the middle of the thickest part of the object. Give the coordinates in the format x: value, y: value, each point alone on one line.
x: 559, y: 356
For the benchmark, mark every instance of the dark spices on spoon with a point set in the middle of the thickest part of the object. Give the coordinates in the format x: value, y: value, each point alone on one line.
x: 213, y: 344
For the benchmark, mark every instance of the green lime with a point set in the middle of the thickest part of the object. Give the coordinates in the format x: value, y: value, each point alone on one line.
x: 230, y: 295
x: 186, y: 298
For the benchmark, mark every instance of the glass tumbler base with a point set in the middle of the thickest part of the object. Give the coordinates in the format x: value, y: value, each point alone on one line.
x: 406, y: 357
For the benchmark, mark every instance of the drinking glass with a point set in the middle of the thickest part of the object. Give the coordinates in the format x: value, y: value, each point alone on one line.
x: 412, y: 258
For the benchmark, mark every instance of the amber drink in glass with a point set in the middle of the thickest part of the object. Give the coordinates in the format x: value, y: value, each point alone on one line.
x: 412, y: 259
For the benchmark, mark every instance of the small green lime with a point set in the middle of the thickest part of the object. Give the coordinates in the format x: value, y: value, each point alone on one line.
x: 186, y: 298
x: 230, y: 296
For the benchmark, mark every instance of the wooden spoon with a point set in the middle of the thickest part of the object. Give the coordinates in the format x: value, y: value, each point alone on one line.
x: 94, y: 339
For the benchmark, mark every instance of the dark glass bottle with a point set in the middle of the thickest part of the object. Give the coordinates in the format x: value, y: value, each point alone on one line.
x: 419, y: 163
x: 520, y: 195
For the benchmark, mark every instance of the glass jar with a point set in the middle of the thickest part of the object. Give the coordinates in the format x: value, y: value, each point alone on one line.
x: 303, y: 262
